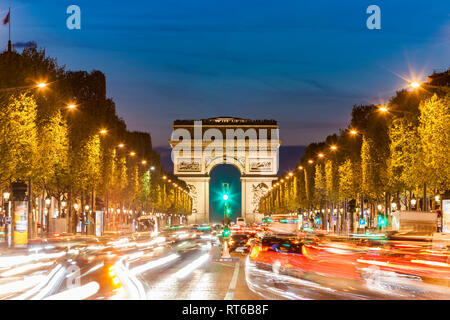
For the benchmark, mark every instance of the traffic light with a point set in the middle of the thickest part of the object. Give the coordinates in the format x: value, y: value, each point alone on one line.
x: 381, y: 221
x: 226, y: 232
x: 225, y: 197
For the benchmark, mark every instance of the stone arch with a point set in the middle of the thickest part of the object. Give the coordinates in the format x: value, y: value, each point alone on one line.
x: 212, y: 163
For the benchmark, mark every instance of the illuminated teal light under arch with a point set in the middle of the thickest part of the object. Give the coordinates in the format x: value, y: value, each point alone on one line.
x: 224, y: 173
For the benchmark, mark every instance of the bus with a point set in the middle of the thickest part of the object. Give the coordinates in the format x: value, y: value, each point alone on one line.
x: 283, y: 223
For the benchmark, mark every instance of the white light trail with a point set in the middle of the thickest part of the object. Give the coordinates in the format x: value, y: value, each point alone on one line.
x: 153, y: 264
x: 191, y: 267
x: 78, y: 293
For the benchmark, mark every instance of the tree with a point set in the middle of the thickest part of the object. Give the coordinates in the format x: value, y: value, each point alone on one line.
x: 53, y: 155
x: 320, y: 186
x: 18, y: 138
x: 434, y: 132
x: 332, y: 180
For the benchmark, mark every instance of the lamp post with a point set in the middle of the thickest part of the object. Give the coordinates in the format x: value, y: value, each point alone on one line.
x: 7, y: 209
x: 75, y: 207
x: 85, y: 219
x: 63, y: 212
x: 48, y: 202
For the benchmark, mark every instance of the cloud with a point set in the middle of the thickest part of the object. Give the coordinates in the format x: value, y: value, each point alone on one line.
x: 25, y: 44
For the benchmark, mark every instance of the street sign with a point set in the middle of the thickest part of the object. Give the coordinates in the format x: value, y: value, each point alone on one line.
x: 86, y: 223
x: 8, y: 220
x: 362, y: 222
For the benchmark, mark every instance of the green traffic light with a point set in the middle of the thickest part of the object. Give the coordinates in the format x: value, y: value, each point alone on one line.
x: 225, y: 197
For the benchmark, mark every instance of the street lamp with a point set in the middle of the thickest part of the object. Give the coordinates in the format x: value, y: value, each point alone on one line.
x: 132, y: 153
x: 121, y: 145
x: 41, y: 85
x: 103, y: 131
x: 152, y: 168
x: 321, y: 155
x: 144, y: 162
x: 71, y: 106
x: 75, y: 206
x: 6, y: 196
x: 333, y: 147
x: 353, y: 132
x: 414, y: 84
x: 86, y: 207
x: 310, y: 161
x: 300, y: 167
x: 383, y: 109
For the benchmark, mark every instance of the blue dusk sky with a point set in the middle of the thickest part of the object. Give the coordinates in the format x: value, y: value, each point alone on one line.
x: 303, y: 63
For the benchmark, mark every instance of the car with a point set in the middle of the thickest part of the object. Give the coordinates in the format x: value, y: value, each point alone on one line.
x: 239, y: 242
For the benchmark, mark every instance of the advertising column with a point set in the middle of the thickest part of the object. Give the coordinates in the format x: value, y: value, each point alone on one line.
x: 20, y: 223
x: 446, y: 215
x: 20, y: 213
x: 98, y: 223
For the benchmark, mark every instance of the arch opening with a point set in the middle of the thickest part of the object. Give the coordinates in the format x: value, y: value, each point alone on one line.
x: 224, y: 174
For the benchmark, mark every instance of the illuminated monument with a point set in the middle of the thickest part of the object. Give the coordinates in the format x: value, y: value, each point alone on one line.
x: 198, y: 146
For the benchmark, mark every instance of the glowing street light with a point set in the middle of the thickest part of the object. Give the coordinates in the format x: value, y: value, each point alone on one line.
x: 164, y: 177
x: 353, y: 132
x: 132, y: 153
x: 71, y: 106
x: 121, y: 145
x: 103, y: 131
x: 152, y: 168
x: 6, y: 196
x: 144, y: 161
x: 383, y: 109
x: 333, y: 147
x: 321, y: 155
x: 310, y: 161
x: 300, y: 167
x: 41, y: 85
x: 414, y: 84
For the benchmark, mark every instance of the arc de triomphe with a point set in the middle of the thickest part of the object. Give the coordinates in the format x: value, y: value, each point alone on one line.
x: 250, y: 145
